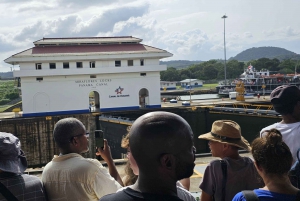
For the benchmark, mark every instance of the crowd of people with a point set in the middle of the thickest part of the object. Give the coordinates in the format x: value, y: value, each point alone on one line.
x: 161, y: 159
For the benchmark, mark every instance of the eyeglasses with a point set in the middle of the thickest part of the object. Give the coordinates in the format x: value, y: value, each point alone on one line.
x: 87, y: 134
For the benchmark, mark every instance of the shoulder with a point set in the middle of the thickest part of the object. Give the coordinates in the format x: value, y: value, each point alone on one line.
x: 239, y: 197
x: 125, y: 195
x: 269, y: 127
x: 184, y: 194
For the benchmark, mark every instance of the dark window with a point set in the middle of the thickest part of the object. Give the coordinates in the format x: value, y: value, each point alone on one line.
x: 38, y: 66
x: 142, y: 62
x: 52, y: 66
x: 130, y: 62
x: 92, y: 64
x: 117, y: 63
x: 66, y: 65
x: 79, y: 64
x: 93, y: 76
x: 196, y: 83
x: 39, y: 79
x: 143, y: 74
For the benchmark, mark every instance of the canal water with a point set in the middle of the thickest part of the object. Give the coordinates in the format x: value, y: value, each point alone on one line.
x: 193, y: 97
x: 199, y: 97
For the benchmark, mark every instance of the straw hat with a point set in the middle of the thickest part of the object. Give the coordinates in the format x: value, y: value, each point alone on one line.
x: 227, y: 131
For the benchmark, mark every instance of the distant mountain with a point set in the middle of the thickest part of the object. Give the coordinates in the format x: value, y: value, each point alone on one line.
x: 179, y: 63
x: 265, y: 52
x: 6, y: 75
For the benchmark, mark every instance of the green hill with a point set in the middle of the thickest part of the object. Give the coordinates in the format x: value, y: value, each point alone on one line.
x: 255, y: 53
x: 179, y: 63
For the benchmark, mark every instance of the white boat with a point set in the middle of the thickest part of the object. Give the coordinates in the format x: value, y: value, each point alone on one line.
x: 259, y: 82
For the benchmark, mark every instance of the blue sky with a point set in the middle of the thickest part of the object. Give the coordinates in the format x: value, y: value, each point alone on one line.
x: 190, y: 29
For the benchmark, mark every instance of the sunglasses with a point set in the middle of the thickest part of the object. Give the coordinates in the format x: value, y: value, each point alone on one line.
x: 87, y: 134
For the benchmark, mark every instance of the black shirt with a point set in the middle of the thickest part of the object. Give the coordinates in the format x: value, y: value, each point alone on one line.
x: 131, y: 195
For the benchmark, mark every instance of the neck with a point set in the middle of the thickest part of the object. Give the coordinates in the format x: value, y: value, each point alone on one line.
x: 147, y: 184
x: 289, y: 119
x: 232, y: 154
x: 279, y: 184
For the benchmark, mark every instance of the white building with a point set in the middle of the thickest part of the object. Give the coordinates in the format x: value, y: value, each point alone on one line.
x: 58, y: 74
x: 194, y: 83
x: 167, y: 85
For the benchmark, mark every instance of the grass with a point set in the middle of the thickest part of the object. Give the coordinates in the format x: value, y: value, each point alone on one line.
x: 3, y: 107
x: 205, y: 86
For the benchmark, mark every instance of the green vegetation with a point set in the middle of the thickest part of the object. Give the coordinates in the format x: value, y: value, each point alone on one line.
x: 213, y: 70
x: 7, y: 91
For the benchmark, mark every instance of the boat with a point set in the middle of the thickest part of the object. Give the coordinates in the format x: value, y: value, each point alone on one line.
x: 259, y: 82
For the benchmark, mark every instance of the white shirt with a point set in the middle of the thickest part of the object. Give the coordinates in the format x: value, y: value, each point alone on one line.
x: 73, y: 177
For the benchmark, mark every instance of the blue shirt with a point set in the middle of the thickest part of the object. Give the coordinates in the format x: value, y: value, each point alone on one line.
x: 265, y: 195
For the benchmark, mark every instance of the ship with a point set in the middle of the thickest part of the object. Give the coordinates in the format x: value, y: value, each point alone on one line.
x: 260, y: 82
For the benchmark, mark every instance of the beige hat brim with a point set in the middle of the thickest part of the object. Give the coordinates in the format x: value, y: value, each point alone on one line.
x: 241, y: 143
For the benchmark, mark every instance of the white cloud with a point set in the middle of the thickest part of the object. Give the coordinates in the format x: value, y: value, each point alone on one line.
x: 190, y: 29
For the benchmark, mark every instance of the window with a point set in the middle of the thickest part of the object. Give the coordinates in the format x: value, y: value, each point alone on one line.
x: 117, y: 63
x: 142, y: 62
x: 143, y: 74
x: 52, y: 66
x: 93, y: 76
x: 79, y: 64
x: 39, y: 79
x: 92, y: 64
x: 129, y: 62
x: 66, y: 65
x: 38, y: 66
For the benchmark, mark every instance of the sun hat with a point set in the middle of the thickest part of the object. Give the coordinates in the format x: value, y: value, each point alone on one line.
x: 227, y: 131
x: 285, y: 95
x: 12, y: 158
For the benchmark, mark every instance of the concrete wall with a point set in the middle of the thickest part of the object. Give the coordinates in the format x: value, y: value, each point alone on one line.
x: 57, y: 95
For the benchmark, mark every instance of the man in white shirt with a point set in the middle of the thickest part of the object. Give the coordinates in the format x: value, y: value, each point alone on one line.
x: 286, y: 101
x: 69, y: 176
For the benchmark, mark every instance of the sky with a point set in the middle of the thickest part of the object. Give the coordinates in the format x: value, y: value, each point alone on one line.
x: 189, y: 29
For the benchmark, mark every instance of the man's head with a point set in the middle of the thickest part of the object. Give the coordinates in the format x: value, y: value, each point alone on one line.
x: 70, y: 136
x: 225, y: 132
x: 284, y: 99
x: 163, y: 142
x: 12, y: 158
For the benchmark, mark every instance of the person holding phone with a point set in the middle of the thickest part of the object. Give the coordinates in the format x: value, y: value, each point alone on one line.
x: 70, y: 176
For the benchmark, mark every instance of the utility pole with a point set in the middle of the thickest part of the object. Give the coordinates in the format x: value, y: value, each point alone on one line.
x: 224, y: 17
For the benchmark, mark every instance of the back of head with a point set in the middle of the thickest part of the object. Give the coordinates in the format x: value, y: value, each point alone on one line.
x: 65, y: 129
x: 158, y: 133
x: 271, y: 153
x: 12, y: 158
x: 284, y: 98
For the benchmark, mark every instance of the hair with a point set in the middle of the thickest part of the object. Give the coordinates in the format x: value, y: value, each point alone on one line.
x: 130, y: 178
x: 65, y: 129
x: 271, y: 153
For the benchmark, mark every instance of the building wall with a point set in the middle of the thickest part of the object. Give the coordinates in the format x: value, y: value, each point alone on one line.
x: 56, y: 95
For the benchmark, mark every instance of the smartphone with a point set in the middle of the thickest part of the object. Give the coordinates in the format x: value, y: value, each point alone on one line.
x: 99, y: 139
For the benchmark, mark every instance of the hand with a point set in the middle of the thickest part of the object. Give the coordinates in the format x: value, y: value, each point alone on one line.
x: 105, y: 152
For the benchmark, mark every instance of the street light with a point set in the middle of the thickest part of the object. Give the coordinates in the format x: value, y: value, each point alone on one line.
x: 224, y: 17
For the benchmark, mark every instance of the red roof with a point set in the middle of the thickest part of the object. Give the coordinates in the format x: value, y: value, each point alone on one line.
x: 87, y: 48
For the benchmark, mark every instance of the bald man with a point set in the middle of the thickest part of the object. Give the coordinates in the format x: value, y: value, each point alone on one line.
x: 162, y: 145
x: 69, y: 176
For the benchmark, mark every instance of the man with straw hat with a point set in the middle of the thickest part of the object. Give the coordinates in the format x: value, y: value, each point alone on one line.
x: 224, y: 178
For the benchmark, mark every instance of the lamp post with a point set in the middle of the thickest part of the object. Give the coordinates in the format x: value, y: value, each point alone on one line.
x: 224, y: 17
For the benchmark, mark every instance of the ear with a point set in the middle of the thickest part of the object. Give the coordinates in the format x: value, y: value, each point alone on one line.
x: 259, y: 169
x: 167, y: 161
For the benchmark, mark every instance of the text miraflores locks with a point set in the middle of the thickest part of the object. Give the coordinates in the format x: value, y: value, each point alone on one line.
x: 92, y: 82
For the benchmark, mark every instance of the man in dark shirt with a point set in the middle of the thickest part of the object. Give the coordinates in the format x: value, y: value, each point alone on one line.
x: 162, y: 145
x: 12, y: 166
